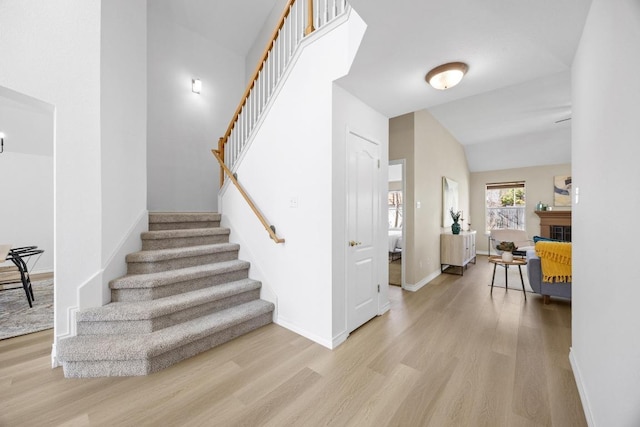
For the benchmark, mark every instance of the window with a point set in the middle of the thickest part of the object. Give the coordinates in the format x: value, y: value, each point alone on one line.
x: 505, y: 202
x: 395, y: 209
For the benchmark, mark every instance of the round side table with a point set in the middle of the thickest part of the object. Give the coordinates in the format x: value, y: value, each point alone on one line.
x: 497, y: 260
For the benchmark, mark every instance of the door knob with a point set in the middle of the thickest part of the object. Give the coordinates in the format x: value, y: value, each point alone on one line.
x: 354, y: 243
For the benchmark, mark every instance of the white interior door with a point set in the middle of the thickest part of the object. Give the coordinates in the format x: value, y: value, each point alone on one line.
x: 363, y: 201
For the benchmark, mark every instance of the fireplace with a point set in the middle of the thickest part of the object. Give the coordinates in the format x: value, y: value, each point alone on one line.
x: 555, y: 224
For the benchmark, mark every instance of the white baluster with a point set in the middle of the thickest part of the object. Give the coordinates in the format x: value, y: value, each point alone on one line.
x: 225, y: 149
x: 228, y: 149
x: 249, y: 116
x: 284, y: 36
x: 278, y: 56
x: 232, y: 157
x: 288, y: 33
x: 254, y: 107
x: 261, y: 93
x: 289, y: 39
x: 274, y: 61
x: 243, y: 126
x: 258, y: 96
x: 294, y: 17
x: 234, y: 150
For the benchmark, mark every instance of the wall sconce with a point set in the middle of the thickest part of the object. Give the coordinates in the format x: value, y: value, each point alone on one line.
x: 196, y: 85
x: 447, y: 75
x: 1, y: 142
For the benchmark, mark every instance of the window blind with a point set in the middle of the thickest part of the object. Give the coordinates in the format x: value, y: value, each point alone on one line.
x: 505, y: 185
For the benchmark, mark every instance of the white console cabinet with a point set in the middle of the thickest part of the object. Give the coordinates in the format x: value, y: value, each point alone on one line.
x: 457, y: 250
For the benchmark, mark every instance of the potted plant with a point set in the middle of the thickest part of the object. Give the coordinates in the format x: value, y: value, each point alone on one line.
x: 455, y: 216
x: 507, y: 249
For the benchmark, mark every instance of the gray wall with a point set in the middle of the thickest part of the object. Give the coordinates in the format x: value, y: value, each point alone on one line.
x: 183, y: 127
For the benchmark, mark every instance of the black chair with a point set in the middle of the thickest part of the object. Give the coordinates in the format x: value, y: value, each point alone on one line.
x: 18, y: 257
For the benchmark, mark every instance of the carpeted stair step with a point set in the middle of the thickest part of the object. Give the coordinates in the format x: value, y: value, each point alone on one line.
x: 145, y: 262
x: 141, y: 354
x: 182, y: 220
x: 149, y: 316
x: 165, y: 239
x: 146, y: 287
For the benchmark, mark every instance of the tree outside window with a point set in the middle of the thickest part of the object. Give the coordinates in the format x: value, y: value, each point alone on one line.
x: 394, y: 202
x: 505, y: 204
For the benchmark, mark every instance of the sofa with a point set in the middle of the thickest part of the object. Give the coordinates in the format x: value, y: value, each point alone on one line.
x: 546, y: 289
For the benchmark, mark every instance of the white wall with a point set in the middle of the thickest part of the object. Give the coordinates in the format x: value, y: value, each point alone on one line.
x: 183, y: 127
x: 291, y: 156
x: 605, y: 340
x: 351, y: 114
x: 26, y: 174
x: 123, y: 114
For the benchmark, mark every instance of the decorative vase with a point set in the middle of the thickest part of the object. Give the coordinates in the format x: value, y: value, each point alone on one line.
x: 507, y: 256
x: 455, y: 228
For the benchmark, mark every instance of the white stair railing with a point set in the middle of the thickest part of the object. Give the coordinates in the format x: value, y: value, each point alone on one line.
x: 299, y: 19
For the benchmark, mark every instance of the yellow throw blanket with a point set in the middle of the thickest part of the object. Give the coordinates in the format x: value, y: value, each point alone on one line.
x: 556, y: 261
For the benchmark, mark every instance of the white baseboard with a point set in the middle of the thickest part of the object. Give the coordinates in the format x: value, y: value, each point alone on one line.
x: 313, y: 337
x: 421, y: 283
x: 386, y: 307
x: 71, y: 331
x: 586, y: 406
x: 34, y: 272
x: 339, y: 339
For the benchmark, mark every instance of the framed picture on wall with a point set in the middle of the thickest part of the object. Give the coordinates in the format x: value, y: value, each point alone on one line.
x: 562, y: 191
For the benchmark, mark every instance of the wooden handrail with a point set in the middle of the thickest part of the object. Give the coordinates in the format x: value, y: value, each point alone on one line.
x: 270, y: 229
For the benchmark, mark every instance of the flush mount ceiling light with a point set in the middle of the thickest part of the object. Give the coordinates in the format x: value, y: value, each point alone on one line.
x: 447, y: 75
x: 196, y: 85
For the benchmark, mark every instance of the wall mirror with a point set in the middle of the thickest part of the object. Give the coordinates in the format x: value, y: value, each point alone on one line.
x: 449, y: 200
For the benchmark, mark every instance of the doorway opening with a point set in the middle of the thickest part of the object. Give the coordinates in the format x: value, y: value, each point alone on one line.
x: 26, y: 217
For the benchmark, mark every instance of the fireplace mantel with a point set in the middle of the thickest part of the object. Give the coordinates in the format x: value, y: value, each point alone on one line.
x: 549, y: 220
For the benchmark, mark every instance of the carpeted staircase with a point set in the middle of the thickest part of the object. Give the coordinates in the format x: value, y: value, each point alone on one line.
x: 184, y: 293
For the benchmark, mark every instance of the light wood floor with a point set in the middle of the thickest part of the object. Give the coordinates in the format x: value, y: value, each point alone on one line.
x: 447, y: 355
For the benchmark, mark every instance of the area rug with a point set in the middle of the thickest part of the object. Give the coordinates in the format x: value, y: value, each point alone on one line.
x: 16, y: 318
x: 513, y: 277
